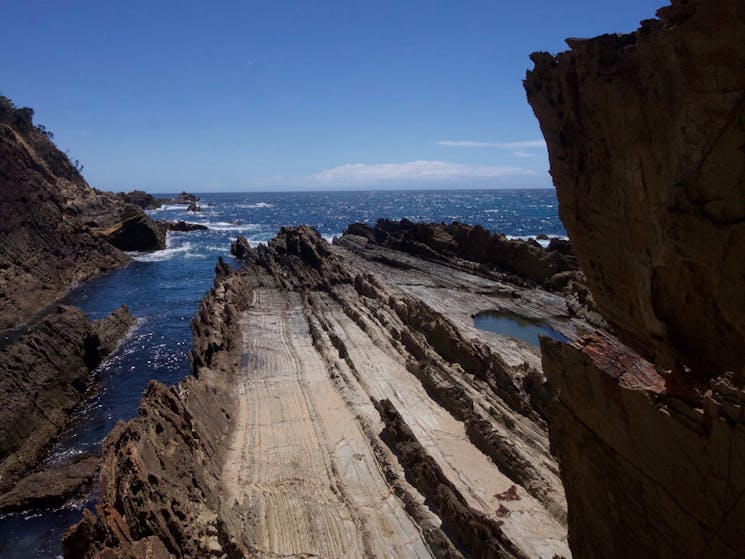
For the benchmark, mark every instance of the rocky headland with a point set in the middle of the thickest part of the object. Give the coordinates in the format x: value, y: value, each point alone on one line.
x: 343, y: 403
x: 645, y: 134
x: 56, y: 231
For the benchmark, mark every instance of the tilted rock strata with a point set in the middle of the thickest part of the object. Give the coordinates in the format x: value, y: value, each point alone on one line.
x: 525, y: 261
x: 44, y: 249
x: 53, y: 226
x: 51, y: 487
x: 140, y: 198
x: 646, y: 475
x: 330, y: 399
x: 45, y: 374
x: 473, y: 248
x: 160, y: 475
x: 134, y: 231
x: 645, y: 135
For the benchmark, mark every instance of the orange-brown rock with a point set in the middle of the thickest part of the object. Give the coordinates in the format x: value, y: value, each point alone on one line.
x: 645, y: 473
x: 645, y: 136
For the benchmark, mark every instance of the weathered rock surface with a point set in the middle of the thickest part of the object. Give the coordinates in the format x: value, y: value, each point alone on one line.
x: 342, y: 404
x: 45, y: 374
x: 140, y: 198
x: 54, y: 228
x: 183, y: 198
x: 134, y: 231
x: 181, y: 226
x: 646, y: 474
x: 645, y: 134
x: 51, y: 487
x: 437, y: 241
x: 477, y: 250
x: 44, y: 248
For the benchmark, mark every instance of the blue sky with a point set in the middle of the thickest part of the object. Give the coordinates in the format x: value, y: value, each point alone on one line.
x: 272, y: 95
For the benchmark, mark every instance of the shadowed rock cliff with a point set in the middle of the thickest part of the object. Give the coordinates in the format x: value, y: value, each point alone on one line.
x: 645, y: 135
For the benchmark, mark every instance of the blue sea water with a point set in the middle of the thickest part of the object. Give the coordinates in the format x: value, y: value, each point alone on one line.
x: 163, y: 290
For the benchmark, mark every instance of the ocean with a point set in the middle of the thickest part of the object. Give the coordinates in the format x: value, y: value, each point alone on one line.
x: 163, y: 290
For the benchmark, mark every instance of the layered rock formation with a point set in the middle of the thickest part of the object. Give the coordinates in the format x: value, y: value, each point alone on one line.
x: 342, y: 404
x: 45, y: 248
x: 140, y: 198
x: 46, y: 373
x: 645, y: 134
x: 56, y: 230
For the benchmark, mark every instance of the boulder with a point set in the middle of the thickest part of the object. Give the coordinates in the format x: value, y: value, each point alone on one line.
x: 140, y: 198
x: 135, y: 231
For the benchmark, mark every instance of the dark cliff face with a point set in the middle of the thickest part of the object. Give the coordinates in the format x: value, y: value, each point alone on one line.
x: 55, y: 229
x: 44, y: 248
x: 645, y: 134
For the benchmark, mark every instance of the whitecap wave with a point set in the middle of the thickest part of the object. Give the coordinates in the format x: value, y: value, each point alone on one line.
x: 160, y: 255
x: 169, y: 207
x: 254, y: 206
x: 543, y: 242
x: 230, y: 226
x: 330, y: 238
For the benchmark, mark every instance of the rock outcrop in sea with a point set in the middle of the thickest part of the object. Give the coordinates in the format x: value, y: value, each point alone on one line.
x: 645, y: 135
x: 343, y: 403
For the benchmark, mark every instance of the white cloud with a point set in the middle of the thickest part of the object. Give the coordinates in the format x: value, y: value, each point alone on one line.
x: 502, y: 145
x: 522, y: 154
x: 411, y: 172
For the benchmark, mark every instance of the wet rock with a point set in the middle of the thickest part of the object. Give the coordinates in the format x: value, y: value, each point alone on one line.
x: 45, y: 375
x: 240, y: 247
x: 193, y: 207
x: 109, y: 331
x: 182, y: 226
x: 51, y: 487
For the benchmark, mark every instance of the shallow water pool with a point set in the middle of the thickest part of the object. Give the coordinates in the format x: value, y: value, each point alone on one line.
x: 510, y: 324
